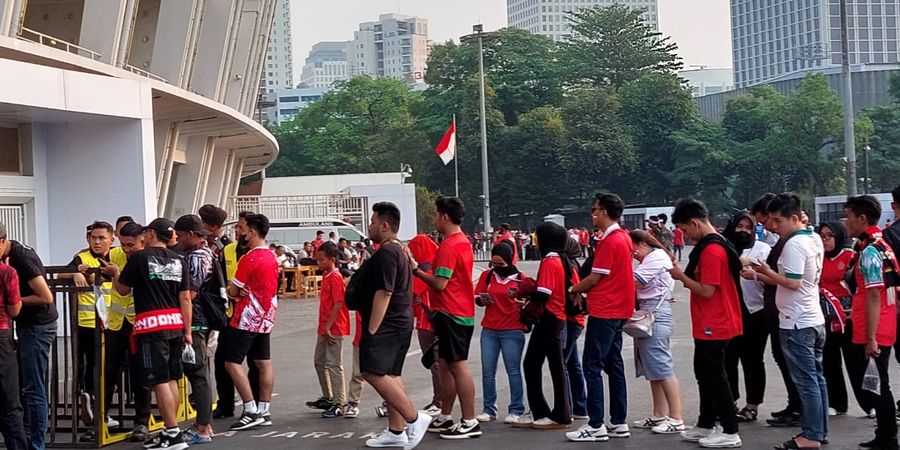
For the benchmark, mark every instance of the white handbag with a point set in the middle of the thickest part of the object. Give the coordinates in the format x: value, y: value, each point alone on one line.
x: 640, y: 325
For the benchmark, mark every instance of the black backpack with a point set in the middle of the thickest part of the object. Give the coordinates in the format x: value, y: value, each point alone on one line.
x: 214, y: 300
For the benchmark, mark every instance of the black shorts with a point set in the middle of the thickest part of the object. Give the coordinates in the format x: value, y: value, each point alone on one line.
x: 239, y: 345
x: 453, y: 338
x: 383, y: 354
x: 160, y: 360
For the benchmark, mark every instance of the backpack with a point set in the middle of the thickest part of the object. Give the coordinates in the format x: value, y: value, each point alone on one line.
x: 214, y: 300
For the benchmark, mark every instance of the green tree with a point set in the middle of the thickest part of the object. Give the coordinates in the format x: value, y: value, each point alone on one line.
x: 884, y: 156
x: 613, y: 45
x: 425, y: 209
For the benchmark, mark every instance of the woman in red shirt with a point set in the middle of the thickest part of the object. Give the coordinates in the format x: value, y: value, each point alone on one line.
x: 501, y: 333
x: 555, y: 276
x: 834, y: 266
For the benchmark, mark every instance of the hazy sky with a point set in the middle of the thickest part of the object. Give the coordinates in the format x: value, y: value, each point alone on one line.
x: 700, y: 27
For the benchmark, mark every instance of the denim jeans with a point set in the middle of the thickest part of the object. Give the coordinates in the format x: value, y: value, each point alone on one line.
x: 803, y: 352
x: 603, y: 353
x: 34, y: 365
x: 510, y: 344
x: 577, y: 394
x: 10, y: 406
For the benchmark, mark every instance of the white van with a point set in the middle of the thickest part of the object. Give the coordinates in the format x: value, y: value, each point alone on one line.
x: 294, y: 232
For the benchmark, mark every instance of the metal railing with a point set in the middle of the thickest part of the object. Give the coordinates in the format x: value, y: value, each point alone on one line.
x: 333, y: 206
x: 144, y: 73
x: 34, y: 36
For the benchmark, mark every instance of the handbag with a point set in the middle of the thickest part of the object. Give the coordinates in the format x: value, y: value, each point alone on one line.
x: 640, y: 325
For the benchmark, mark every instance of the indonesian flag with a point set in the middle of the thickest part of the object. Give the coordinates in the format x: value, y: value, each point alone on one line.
x: 447, y: 148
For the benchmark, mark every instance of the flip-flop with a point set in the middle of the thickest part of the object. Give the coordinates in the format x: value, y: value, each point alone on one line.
x: 792, y: 445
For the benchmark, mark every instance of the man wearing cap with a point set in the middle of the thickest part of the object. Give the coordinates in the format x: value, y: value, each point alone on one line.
x: 213, y: 220
x: 160, y: 282
x: 192, y: 237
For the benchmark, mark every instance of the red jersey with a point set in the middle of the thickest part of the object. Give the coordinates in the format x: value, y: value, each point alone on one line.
x: 583, y: 238
x: 869, y: 273
x: 454, y: 261
x: 679, y: 237
x: 332, y: 294
x: 833, y: 270
x: 504, y: 313
x: 257, y: 273
x: 551, y: 280
x: 423, y: 250
x: 9, y: 293
x: 316, y: 244
x: 508, y: 237
x: 717, y: 317
x: 613, y: 297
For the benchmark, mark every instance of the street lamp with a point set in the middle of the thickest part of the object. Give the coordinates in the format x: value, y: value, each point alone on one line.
x: 868, y: 180
x: 479, y: 35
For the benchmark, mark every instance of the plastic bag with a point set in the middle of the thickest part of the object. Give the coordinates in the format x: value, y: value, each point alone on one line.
x: 189, y: 357
x: 871, y: 379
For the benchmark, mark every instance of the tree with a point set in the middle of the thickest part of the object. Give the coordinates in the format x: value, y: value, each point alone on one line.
x: 613, y: 45
x: 884, y: 156
x: 425, y: 209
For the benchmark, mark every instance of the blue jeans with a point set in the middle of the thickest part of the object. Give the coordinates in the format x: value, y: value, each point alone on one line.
x: 577, y: 394
x: 603, y: 353
x: 510, y: 343
x: 34, y: 364
x: 803, y: 352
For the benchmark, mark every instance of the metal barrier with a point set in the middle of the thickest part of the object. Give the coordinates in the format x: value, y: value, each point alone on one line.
x: 66, y: 401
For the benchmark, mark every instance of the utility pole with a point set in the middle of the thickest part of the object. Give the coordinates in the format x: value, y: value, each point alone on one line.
x: 849, y: 134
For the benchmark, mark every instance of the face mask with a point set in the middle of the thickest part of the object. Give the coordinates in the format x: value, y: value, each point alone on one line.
x: 743, y: 240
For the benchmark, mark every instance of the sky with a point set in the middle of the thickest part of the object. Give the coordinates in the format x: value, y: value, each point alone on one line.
x: 701, y: 28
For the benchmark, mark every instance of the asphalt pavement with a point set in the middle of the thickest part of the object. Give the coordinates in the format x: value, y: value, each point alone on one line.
x: 296, y: 426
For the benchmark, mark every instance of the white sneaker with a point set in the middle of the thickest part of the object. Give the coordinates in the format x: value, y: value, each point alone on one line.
x: 619, y: 431
x: 548, y: 424
x: 431, y: 410
x: 351, y: 411
x: 697, y: 433
x: 388, y: 439
x: 871, y: 413
x: 485, y: 417
x: 524, y: 421
x: 416, y: 430
x: 669, y: 426
x: 511, y: 419
x: 111, y: 423
x: 587, y: 433
x: 649, y: 422
x: 721, y: 440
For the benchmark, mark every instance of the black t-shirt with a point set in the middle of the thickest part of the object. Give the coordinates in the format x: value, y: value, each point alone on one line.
x: 156, y: 276
x: 388, y: 270
x: 28, y: 265
x: 76, y: 261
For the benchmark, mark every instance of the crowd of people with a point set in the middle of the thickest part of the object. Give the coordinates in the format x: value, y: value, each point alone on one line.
x: 175, y: 295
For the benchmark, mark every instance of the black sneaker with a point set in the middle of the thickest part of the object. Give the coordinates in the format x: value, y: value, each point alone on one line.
x: 221, y: 413
x: 267, y: 420
x: 462, y: 431
x: 170, y: 442
x: 791, y: 421
x: 140, y: 434
x: 322, y: 403
x: 785, y: 412
x: 439, y: 426
x: 335, y: 411
x: 89, y: 436
x: 247, y: 421
x: 151, y: 442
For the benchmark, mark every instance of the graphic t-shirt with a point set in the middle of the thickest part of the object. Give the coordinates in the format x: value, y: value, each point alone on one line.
x: 503, y: 314
x: 200, y: 265
x: 9, y: 293
x: 613, y: 297
x: 717, y: 317
x: 257, y: 273
x: 551, y: 280
x: 28, y: 265
x: 333, y: 293
x: 869, y: 275
x: 156, y: 276
x: 454, y: 261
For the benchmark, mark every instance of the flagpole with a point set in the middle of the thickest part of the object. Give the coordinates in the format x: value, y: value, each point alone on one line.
x: 456, y: 161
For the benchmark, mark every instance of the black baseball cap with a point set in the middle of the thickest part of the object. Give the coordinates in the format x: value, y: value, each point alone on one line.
x: 191, y: 223
x: 163, y: 227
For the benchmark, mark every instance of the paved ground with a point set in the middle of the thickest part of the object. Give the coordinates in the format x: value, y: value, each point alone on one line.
x: 296, y: 426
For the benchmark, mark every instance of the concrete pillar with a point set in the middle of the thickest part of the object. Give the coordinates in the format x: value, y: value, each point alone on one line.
x: 105, y: 31
x: 164, y: 176
x: 209, y: 58
x: 170, y: 39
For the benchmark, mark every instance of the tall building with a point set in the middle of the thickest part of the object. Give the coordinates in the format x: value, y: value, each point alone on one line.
x: 124, y: 107
x: 774, y: 38
x: 548, y: 17
x: 395, y: 46
x: 279, y: 73
x: 287, y: 103
x: 327, y: 62
x: 705, y: 81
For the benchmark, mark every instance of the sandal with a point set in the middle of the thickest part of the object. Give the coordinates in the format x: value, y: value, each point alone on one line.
x: 747, y: 415
x: 792, y: 445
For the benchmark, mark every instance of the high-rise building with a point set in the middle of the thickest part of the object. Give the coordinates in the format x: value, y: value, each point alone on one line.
x: 773, y: 38
x: 327, y: 62
x: 395, y: 46
x: 548, y: 17
x: 705, y: 81
x: 279, y: 73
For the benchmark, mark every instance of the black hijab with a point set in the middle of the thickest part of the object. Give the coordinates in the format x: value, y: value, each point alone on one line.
x: 505, y: 251
x: 740, y: 241
x: 552, y: 237
x: 840, y: 237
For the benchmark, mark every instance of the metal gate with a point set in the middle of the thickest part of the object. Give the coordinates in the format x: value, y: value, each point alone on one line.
x: 13, y: 216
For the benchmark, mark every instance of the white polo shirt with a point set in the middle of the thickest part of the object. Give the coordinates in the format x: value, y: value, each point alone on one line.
x: 753, y: 289
x: 653, y: 278
x: 801, y: 260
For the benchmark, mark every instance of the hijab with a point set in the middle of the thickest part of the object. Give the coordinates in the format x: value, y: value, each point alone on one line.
x: 505, y: 251
x: 740, y: 240
x: 840, y: 237
x: 552, y: 238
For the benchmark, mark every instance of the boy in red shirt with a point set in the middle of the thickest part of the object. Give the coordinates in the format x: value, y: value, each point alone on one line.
x: 712, y: 277
x: 334, y: 324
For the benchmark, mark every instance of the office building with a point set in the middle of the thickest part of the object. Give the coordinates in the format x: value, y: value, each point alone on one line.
x: 326, y: 63
x: 287, y: 103
x: 279, y: 73
x: 395, y: 46
x: 704, y: 81
x: 549, y: 17
x: 119, y: 107
x: 770, y: 39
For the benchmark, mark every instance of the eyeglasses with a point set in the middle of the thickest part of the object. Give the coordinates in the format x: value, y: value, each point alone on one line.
x: 827, y: 236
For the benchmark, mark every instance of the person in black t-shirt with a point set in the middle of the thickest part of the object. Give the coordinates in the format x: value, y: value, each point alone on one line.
x: 160, y: 282
x: 36, y: 329
x: 387, y: 330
